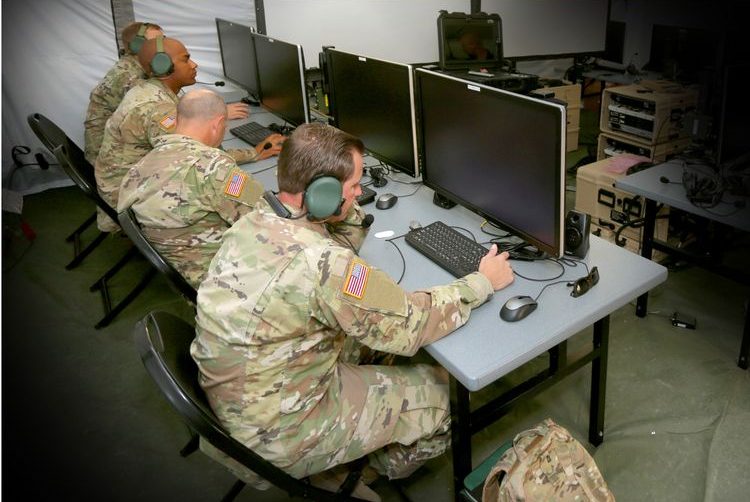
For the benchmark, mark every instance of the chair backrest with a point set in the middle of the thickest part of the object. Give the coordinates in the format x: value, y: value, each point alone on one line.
x: 129, y: 225
x: 163, y: 342
x: 74, y: 163
x: 47, y: 131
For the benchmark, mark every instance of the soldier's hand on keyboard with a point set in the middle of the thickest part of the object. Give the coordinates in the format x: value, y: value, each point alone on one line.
x: 496, y: 268
x: 237, y: 111
x: 270, y: 146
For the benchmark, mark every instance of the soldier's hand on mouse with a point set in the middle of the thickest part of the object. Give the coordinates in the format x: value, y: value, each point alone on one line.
x: 270, y: 146
x: 496, y: 268
x: 237, y: 111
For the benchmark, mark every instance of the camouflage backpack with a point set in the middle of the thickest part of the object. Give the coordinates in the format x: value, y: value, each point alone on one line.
x: 545, y: 463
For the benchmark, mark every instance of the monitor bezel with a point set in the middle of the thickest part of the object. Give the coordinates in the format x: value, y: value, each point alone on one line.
x: 330, y: 56
x: 556, y: 249
x: 300, y: 67
x: 255, y: 93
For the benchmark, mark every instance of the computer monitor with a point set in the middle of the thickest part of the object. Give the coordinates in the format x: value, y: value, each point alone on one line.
x: 683, y: 54
x: 467, y: 41
x: 374, y: 100
x: 497, y: 153
x: 238, y: 55
x: 734, y: 126
x: 281, y: 74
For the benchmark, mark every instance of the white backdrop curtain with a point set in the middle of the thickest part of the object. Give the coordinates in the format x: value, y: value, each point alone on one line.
x: 55, y: 51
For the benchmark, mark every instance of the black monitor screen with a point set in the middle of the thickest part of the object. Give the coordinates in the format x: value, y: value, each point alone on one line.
x: 499, y: 154
x: 281, y: 73
x: 734, y: 125
x: 469, y: 42
x: 238, y: 54
x: 683, y: 54
x: 373, y: 100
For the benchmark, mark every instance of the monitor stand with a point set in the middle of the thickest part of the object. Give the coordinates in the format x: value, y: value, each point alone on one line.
x: 250, y: 101
x: 442, y: 201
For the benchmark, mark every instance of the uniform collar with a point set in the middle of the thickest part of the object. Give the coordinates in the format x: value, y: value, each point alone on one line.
x: 158, y: 83
x: 174, y: 138
x: 303, y: 222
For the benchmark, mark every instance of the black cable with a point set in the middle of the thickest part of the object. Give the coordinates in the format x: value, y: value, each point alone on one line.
x: 465, y: 230
x: 562, y: 271
x: 546, y: 286
x: 403, y: 260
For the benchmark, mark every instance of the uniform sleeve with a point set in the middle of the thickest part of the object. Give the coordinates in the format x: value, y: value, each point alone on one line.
x: 243, y: 155
x: 349, y: 232
x: 369, y: 306
x: 233, y: 191
x: 160, y: 119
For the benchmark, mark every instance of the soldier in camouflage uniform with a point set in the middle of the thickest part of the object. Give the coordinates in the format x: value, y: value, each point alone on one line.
x: 107, y: 95
x: 185, y: 192
x: 283, y: 304
x: 146, y: 112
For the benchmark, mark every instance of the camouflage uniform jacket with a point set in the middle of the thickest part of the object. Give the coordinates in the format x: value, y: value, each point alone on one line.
x: 146, y: 112
x: 280, y: 299
x: 185, y: 195
x: 106, y: 97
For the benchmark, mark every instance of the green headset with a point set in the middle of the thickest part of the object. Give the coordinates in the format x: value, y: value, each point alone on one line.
x: 161, y: 64
x: 138, y: 40
x: 323, y: 198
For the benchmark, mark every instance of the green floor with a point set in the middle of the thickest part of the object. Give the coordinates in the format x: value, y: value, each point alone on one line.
x: 82, y: 421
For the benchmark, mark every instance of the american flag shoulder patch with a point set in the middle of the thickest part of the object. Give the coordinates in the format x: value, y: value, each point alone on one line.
x: 168, y: 122
x: 235, y: 184
x: 356, y: 279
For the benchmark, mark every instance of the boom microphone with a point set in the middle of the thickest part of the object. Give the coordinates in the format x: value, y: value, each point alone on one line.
x: 366, y: 222
x: 218, y: 83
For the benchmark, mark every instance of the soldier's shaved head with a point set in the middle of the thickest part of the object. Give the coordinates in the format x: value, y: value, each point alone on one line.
x: 200, y: 104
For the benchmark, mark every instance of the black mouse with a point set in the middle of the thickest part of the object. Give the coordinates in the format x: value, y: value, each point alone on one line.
x: 386, y: 201
x: 517, y: 308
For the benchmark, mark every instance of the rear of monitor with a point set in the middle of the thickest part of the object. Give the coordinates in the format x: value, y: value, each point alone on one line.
x: 238, y: 55
x: 497, y: 153
x: 281, y: 75
x: 733, y: 144
x: 374, y: 100
x: 461, y: 36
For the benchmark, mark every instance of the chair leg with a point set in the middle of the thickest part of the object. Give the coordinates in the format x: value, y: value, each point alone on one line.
x: 101, y: 283
x: 125, y: 301
x: 78, y: 231
x: 233, y: 491
x: 191, y: 446
x: 80, y: 254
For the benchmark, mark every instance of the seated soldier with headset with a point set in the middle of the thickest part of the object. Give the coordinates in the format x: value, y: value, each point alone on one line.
x: 148, y: 111
x: 287, y: 315
x: 186, y: 192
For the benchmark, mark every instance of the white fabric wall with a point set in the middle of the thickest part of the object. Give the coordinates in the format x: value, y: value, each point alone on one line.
x: 55, y: 51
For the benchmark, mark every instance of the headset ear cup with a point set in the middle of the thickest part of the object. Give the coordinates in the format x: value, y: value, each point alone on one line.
x: 136, y: 44
x: 323, y: 197
x: 161, y: 65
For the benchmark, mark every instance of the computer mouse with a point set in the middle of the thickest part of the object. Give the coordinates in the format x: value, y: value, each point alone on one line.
x: 517, y: 308
x: 386, y: 201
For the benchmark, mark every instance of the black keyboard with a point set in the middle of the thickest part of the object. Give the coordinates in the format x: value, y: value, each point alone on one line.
x: 252, y: 132
x: 449, y: 248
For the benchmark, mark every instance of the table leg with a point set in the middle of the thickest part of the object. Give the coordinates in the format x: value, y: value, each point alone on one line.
x: 647, y: 243
x: 460, y: 434
x: 745, y: 346
x: 599, y: 381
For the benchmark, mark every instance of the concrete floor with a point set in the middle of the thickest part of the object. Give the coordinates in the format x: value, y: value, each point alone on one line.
x: 82, y: 420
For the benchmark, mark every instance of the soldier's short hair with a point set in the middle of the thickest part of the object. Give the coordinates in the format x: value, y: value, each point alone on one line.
x: 130, y: 31
x: 315, y: 150
x: 202, y: 104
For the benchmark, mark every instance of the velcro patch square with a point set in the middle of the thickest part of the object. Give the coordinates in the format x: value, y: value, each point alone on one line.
x: 167, y: 122
x: 235, y: 184
x: 356, y: 279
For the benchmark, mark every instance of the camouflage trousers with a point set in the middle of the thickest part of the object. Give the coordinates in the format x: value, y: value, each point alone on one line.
x: 399, y: 416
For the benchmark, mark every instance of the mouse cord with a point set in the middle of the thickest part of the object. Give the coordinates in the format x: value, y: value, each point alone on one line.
x: 546, y: 286
x: 403, y: 260
x: 410, y: 194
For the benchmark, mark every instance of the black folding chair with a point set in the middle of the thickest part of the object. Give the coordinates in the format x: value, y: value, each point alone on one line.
x: 163, y: 342
x: 72, y: 160
x: 51, y: 137
x: 131, y: 227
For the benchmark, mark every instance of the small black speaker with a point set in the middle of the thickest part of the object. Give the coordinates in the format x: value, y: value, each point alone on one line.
x: 577, y: 228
